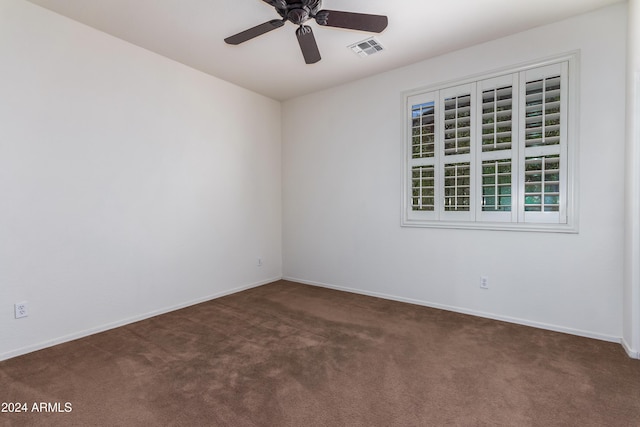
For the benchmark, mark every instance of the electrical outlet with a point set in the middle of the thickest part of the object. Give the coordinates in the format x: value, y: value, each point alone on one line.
x: 21, y: 309
x: 259, y: 262
x: 484, y: 282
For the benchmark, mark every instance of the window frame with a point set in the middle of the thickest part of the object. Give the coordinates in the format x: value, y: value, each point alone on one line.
x: 476, y: 218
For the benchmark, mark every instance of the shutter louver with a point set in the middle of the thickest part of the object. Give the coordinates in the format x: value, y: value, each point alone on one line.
x: 496, y: 185
x: 496, y: 119
x: 457, y: 187
x: 423, y: 188
x: 457, y: 125
x: 422, y: 130
x: 543, y: 112
x: 542, y: 184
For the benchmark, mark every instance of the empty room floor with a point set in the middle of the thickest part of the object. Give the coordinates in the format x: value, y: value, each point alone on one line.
x: 286, y: 354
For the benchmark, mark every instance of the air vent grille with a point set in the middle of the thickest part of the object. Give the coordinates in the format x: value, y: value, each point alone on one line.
x: 367, y: 47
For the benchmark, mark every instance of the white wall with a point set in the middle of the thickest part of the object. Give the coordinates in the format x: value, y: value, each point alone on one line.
x: 342, y: 175
x: 631, y: 307
x: 129, y: 184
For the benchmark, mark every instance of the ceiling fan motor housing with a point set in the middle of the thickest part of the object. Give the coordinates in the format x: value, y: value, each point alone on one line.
x: 298, y: 12
x: 298, y: 16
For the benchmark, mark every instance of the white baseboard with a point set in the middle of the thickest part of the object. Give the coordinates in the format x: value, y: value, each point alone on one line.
x: 634, y: 354
x: 71, y: 337
x: 539, y: 325
x: 113, y: 325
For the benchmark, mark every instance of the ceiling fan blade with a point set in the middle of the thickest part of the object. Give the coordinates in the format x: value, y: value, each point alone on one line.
x: 254, y: 32
x: 352, y: 21
x: 281, y: 4
x: 308, y: 44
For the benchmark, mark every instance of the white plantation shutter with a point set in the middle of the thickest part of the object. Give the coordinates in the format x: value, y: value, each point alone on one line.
x: 544, y: 156
x: 494, y: 152
x: 422, y: 165
x: 457, y: 115
x: 498, y: 149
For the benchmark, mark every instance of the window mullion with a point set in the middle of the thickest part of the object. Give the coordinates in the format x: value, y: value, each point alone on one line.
x: 439, y: 143
x: 515, y: 148
x: 522, y: 95
x: 477, y: 150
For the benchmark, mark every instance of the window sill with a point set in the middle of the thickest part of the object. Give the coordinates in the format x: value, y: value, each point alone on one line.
x: 493, y: 226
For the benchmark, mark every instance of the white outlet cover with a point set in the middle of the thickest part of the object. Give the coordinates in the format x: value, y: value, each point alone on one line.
x: 21, y: 309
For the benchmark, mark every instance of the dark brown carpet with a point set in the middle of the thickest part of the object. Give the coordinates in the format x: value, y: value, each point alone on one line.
x: 286, y: 354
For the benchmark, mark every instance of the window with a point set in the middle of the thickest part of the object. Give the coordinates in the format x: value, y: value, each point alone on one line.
x: 494, y: 152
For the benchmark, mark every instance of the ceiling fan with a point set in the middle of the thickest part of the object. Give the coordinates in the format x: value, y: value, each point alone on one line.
x: 300, y: 11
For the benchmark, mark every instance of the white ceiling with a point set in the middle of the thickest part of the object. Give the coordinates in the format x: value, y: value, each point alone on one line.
x: 192, y: 32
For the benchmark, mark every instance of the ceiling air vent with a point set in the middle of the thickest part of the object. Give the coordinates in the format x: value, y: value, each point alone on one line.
x: 367, y: 47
